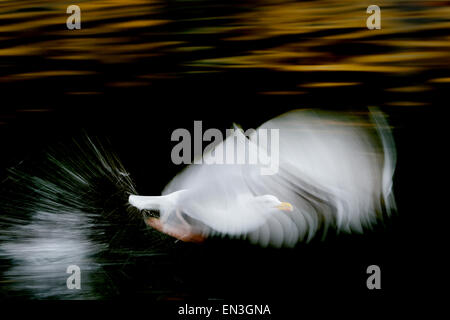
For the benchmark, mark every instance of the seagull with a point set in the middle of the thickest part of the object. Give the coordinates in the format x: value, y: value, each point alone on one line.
x: 335, y: 170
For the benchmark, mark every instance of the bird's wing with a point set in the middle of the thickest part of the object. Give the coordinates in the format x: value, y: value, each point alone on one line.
x: 334, y: 170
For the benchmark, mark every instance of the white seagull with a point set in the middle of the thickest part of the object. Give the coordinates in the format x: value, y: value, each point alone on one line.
x: 334, y: 171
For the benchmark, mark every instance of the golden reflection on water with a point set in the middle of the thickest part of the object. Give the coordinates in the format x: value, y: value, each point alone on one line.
x: 289, y: 36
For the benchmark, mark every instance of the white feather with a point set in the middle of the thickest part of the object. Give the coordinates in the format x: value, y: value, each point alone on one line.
x: 335, y: 170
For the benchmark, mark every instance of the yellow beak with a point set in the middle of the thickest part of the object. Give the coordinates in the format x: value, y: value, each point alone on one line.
x: 285, y: 206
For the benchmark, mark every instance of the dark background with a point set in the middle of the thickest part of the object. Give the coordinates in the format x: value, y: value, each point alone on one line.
x: 138, y: 117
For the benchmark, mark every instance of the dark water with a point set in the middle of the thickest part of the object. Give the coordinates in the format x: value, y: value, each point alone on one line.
x: 137, y: 70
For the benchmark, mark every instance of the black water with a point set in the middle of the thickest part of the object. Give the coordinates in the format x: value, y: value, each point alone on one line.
x: 137, y: 70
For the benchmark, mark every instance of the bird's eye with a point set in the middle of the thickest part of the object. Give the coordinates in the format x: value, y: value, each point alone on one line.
x: 150, y: 213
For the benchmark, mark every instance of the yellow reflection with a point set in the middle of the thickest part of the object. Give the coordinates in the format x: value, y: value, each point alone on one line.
x: 294, y: 36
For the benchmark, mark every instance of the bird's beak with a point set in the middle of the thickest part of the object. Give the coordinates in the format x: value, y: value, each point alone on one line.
x: 285, y: 206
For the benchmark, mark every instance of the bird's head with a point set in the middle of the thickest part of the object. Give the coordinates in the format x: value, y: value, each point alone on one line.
x: 272, y: 202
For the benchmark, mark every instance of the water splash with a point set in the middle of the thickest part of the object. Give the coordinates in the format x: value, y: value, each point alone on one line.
x: 67, y: 207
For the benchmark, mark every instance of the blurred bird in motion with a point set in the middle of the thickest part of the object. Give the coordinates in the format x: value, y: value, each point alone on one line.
x: 77, y: 205
x: 334, y: 170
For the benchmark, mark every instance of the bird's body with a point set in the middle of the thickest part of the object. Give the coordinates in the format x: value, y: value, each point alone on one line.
x: 334, y: 170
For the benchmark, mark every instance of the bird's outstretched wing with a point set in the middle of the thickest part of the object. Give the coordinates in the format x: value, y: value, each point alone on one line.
x: 335, y: 170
